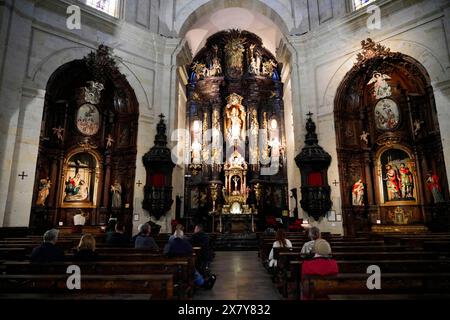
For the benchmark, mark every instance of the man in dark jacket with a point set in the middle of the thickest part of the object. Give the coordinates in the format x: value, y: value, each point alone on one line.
x: 178, y: 247
x: 119, y: 237
x: 201, y: 239
x: 47, y: 251
x: 144, y: 241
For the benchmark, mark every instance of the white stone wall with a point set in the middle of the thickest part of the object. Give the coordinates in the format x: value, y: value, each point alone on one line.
x: 319, y: 45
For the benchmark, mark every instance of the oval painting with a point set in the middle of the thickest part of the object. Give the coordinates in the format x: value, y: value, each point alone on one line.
x: 88, y: 119
x: 387, y: 115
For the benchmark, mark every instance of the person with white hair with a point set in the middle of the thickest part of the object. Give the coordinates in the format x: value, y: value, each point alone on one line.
x: 178, y: 246
x: 48, y: 251
x: 308, y: 247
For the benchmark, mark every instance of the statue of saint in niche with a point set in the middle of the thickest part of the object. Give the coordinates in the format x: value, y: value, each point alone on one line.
x: 235, y: 119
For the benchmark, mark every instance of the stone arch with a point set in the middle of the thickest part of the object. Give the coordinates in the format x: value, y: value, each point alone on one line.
x: 419, y: 52
x: 274, y: 10
x: 43, y: 71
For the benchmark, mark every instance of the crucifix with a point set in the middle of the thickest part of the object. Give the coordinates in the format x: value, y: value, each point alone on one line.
x: 309, y: 114
x: 139, y: 183
x: 335, y: 182
x: 23, y: 175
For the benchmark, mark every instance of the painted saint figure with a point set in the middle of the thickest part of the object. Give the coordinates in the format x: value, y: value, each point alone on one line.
x: 406, y: 180
x: 392, y: 183
x: 44, y: 190
x: 381, y: 87
x: 358, y: 193
x: 434, y: 187
x: 116, y: 190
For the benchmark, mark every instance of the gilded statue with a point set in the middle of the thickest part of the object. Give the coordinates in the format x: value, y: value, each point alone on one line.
x: 235, y: 118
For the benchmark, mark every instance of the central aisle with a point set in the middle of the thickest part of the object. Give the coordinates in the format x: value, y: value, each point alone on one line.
x: 240, y: 276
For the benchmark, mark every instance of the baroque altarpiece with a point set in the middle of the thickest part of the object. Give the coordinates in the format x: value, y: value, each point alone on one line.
x: 235, y: 116
x: 390, y: 157
x: 87, y: 150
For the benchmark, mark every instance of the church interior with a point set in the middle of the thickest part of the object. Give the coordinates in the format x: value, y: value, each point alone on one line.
x: 289, y: 144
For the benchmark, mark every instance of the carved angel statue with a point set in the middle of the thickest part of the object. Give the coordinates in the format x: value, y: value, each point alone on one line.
x: 59, y: 133
x: 364, y: 137
x: 109, y: 141
x: 417, y: 126
x: 92, y: 92
x: 381, y: 87
x: 269, y: 67
x: 199, y: 69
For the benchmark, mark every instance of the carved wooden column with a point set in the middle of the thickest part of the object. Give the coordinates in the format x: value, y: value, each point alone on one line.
x: 107, y: 183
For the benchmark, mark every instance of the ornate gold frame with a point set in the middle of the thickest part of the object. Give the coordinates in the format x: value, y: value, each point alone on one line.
x: 379, y: 180
x: 97, y: 177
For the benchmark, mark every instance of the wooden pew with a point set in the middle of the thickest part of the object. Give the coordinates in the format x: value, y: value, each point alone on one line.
x: 396, y: 283
x: 160, y: 286
x: 292, y: 277
x: 181, y: 268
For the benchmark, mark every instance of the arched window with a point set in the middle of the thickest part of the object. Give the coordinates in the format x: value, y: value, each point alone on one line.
x: 110, y: 7
x: 358, y: 4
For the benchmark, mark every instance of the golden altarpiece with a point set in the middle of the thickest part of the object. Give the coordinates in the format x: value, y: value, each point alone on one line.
x: 236, y: 173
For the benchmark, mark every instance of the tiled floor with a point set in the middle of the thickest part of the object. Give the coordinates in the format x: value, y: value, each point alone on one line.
x: 240, y: 276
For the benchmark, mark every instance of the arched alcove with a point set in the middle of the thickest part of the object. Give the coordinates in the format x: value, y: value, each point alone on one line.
x: 87, y: 144
x: 388, y: 139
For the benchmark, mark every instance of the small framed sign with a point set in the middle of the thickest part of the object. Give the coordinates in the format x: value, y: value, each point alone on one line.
x: 331, y: 216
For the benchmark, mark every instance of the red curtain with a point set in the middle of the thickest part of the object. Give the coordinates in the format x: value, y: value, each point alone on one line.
x: 158, y: 180
x: 315, y: 179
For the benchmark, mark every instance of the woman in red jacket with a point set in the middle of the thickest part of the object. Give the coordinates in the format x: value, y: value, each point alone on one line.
x: 320, y: 265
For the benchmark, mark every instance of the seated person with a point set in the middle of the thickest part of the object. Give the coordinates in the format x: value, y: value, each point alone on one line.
x: 321, y: 265
x: 144, y: 241
x: 47, y: 251
x: 86, y: 249
x: 308, y: 247
x: 133, y: 238
x: 178, y: 227
x: 201, y: 239
x: 178, y: 247
x: 281, y: 242
x: 118, y: 237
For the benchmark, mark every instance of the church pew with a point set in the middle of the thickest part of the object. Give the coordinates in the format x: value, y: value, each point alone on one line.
x: 74, y: 296
x: 12, y: 253
x: 291, y: 276
x: 160, y: 286
x: 390, y: 297
x: 396, y: 283
x: 181, y: 268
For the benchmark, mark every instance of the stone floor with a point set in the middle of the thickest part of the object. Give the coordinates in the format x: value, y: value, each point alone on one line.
x: 240, y: 276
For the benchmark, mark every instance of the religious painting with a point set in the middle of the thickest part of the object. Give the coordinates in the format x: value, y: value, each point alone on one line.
x: 88, y: 119
x: 381, y: 87
x: 398, y: 176
x: 387, y: 114
x: 79, y: 180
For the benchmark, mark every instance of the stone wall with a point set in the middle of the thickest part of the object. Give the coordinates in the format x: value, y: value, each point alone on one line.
x: 320, y: 41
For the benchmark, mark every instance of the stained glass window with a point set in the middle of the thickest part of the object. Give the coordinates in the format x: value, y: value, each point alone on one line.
x: 358, y: 4
x: 110, y: 7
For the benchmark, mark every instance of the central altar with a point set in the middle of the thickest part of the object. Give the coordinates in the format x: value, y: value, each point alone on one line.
x: 236, y: 171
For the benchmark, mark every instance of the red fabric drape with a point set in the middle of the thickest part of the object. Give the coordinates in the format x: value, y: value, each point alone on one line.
x: 315, y: 179
x: 158, y: 180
